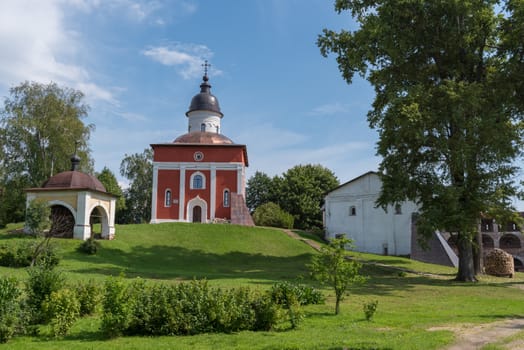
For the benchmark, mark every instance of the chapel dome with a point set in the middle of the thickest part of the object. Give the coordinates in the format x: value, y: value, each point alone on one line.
x: 204, y: 138
x: 204, y: 101
x: 74, y: 179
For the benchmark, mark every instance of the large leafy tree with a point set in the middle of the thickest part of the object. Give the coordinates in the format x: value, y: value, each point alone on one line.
x: 301, y: 193
x: 39, y: 126
x: 260, y: 190
x: 138, y: 169
x: 448, y: 107
x: 108, y: 179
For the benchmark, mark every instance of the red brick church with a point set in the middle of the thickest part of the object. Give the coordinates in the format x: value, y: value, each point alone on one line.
x: 200, y: 176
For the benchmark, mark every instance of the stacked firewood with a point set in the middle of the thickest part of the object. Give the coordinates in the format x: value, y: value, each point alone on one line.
x: 499, y: 263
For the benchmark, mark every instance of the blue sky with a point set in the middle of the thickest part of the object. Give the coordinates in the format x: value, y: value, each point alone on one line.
x: 139, y: 64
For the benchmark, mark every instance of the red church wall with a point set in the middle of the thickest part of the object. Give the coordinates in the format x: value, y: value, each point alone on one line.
x: 224, y: 179
x: 167, y: 179
x: 214, y: 153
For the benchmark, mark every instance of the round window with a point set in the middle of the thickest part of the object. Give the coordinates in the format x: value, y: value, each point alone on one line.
x: 198, y: 156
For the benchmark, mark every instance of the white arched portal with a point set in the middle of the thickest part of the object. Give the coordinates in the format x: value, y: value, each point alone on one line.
x: 105, y: 222
x: 192, y: 208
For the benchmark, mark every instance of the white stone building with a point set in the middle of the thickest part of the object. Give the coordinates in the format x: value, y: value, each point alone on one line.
x: 350, y: 210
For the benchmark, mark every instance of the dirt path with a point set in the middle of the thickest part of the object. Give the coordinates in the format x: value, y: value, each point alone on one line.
x: 473, y: 337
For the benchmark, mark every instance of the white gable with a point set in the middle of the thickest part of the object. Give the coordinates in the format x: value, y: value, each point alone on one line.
x: 350, y: 210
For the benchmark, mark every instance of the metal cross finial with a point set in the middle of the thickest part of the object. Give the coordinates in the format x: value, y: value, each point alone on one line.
x: 206, y: 66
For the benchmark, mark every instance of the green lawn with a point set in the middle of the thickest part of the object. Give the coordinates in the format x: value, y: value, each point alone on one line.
x: 229, y: 256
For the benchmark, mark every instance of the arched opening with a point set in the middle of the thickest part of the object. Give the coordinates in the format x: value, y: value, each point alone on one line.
x: 509, y: 241
x: 197, y: 210
x: 62, y: 222
x: 487, y: 241
x: 197, y: 213
x: 98, y: 220
x: 519, y: 266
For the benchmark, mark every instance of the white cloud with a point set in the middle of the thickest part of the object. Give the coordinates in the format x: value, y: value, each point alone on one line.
x: 37, y: 46
x: 186, y: 58
x: 331, y: 108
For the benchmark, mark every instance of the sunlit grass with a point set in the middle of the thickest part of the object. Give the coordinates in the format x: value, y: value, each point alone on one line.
x: 231, y: 256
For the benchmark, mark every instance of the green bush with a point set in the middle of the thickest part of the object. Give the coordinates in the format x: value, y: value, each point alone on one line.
x: 281, y: 292
x: 142, y: 308
x: 89, y: 246
x: 116, y: 307
x: 62, y: 308
x: 21, y: 254
x: 9, y: 307
x: 88, y: 295
x: 43, y: 280
x: 369, y: 309
x: 270, y: 214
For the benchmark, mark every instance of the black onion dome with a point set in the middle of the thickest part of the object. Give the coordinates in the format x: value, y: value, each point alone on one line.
x: 204, y: 101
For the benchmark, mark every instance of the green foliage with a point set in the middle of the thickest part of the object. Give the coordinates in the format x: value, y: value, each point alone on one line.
x: 332, y: 267
x: 370, y: 308
x: 62, y: 309
x: 259, y: 190
x: 89, y: 246
x: 108, y: 179
x: 88, y: 295
x: 138, y: 169
x: 43, y: 280
x: 12, y: 198
x: 270, y: 214
x: 281, y: 292
x: 443, y: 89
x: 301, y: 193
x: 116, y: 309
x: 187, y: 309
x: 37, y: 217
x: 39, y: 124
x: 21, y: 254
x: 9, y: 308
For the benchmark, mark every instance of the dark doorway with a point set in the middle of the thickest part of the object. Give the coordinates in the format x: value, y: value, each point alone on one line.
x: 62, y: 222
x: 197, y: 213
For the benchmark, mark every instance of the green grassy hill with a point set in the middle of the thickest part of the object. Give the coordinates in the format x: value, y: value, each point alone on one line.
x: 223, y: 254
x: 409, y: 304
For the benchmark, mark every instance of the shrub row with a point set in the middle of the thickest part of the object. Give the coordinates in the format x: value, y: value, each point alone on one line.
x: 140, y: 308
x: 185, y: 309
x: 21, y: 254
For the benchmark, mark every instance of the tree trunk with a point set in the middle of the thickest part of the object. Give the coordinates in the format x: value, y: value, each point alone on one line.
x: 337, y: 306
x: 477, y: 254
x: 466, y: 269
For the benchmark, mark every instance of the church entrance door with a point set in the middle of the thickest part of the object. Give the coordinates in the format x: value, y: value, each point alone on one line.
x: 197, y: 213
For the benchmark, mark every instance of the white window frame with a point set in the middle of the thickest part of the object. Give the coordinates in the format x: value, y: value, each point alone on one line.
x: 192, y: 179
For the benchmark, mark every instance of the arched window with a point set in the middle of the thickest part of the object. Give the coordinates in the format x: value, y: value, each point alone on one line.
x: 352, y: 211
x: 167, y: 201
x: 202, y: 127
x: 226, y: 198
x: 198, y: 181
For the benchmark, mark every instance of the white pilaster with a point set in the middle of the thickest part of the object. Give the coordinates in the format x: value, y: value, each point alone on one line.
x: 213, y: 193
x: 154, y: 193
x: 82, y: 228
x: 182, y: 194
